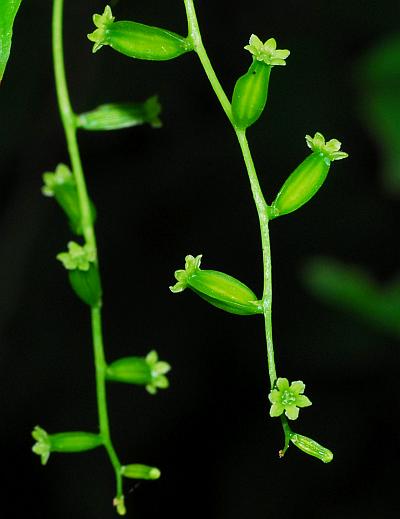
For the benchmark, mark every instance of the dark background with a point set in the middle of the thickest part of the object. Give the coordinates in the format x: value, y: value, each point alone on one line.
x: 182, y: 189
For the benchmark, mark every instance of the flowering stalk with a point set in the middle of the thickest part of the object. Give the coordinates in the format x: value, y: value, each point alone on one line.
x: 68, y: 187
x: 68, y: 118
x: 248, y: 102
x: 261, y: 205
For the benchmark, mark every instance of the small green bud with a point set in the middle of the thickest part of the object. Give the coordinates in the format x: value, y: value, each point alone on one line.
x: 219, y: 289
x: 308, y: 177
x: 138, y: 471
x: 121, y: 115
x: 76, y: 441
x: 61, y: 185
x: 311, y: 447
x: 251, y: 89
x: 137, y: 40
x: 82, y: 272
x: 147, y: 371
x: 287, y: 399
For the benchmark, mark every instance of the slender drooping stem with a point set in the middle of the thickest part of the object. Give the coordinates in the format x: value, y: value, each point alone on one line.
x: 68, y: 118
x: 261, y: 206
x: 195, y: 36
x: 266, y: 250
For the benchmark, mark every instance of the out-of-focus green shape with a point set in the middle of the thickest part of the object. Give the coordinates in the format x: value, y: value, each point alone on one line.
x: 378, y: 81
x: 352, y: 289
x: 114, y: 116
x: 8, y: 10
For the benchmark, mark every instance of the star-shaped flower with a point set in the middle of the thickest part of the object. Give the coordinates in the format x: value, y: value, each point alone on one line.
x: 42, y: 445
x: 53, y: 182
x: 78, y: 256
x: 267, y: 52
x: 287, y: 398
x: 158, y: 370
x: 330, y: 149
x: 192, y: 264
x: 102, y: 22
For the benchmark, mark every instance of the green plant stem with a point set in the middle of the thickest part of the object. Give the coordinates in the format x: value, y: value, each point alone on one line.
x: 68, y: 118
x: 195, y: 36
x: 261, y: 205
x: 262, y: 211
x: 101, y: 366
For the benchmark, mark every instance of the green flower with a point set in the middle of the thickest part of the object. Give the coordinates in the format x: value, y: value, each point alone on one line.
x: 287, y: 398
x: 53, y: 182
x: 267, y: 52
x: 77, y: 257
x: 102, y: 22
x: 158, y: 370
x: 330, y: 149
x: 192, y: 264
x: 42, y: 445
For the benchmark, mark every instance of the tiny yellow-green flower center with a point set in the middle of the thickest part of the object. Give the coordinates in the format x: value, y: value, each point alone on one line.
x: 288, y: 398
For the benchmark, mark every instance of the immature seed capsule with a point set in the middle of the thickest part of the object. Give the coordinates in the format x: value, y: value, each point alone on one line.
x: 146, y: 371
x: 251, y: 89
x: 131, y: 370
x: 74, y: 441
x: 311, y: 447
x: 114, y: 116
x: 86, y: 284
x: 137, y: 40
x: 250, y: 95
x: 82, y: 272
x: 138, y: 471
x: 219, y: 289
x: 61, y: 185
x: 308, y: 177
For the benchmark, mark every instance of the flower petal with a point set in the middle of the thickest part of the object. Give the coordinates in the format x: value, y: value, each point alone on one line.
x: 270, y: 45
x: 276, y: 410
x: 282, y: 384
x: 298, y: 387
x: 303, y: 401
x: 277, y: 61
x: 282, y: 53
x: 152, y: 357
x: 274, y: 396
x: 292, y: 412
x: 333, y: 145
x: 338, y: 155
x: 151, y: 389
x: 162, y: 367
x: 161, y: 382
